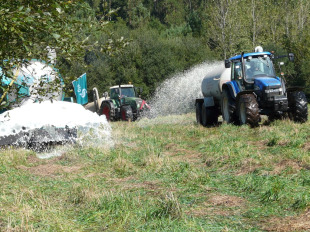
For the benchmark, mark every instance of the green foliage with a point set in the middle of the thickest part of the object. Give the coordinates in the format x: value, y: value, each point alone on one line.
x: 28, y: 27
x: 148, y: 60
x: 170, y: 36
x: 165, y: 36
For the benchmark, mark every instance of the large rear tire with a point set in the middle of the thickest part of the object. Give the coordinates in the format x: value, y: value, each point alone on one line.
x: 209, y: 116
x: 126, y: 113
x: 228, y: 108
x: 298, y: 104
x: 248, y: 110
x: 198, y: 113
x: 106, y: 110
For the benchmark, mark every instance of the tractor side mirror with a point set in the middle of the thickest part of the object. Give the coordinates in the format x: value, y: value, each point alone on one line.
x: 138, y: 90
x: 227, y: 63
x: 291, y: 56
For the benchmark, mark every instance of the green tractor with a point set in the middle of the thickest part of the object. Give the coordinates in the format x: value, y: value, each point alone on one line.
x: 124, y: 103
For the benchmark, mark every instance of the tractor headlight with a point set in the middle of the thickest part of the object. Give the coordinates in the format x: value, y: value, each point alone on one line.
x: 273, y: 90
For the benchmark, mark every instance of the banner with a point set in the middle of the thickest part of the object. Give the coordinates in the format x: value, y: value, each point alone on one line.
x: 80, y: 89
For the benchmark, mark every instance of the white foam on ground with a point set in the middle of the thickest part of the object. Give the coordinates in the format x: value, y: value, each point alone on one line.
x: 90, y: 126
x: 177, y: 94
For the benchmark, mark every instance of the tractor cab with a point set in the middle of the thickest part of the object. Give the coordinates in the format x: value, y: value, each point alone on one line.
x: 258, y: 66
x: 123, y: 94
x: 121, y: 91
x: 246, y: 68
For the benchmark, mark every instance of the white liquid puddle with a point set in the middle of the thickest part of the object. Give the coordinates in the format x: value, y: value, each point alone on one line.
x: 56, y: 152
x: 92, y: 130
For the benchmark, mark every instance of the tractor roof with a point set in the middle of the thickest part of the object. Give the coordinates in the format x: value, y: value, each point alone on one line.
x: 122, y: 86
x: 238, y: 57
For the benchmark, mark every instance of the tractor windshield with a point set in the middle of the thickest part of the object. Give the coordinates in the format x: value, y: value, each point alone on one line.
x: 259, y: 66
x: 128, y: 92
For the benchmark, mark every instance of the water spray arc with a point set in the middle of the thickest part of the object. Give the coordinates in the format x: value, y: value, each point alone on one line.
x: 176, y: 94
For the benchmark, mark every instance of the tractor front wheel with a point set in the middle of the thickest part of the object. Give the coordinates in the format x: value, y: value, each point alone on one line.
x: 228, y: 108
x: 126, y: 113
x: 298, y: 104
x: 248, y: 110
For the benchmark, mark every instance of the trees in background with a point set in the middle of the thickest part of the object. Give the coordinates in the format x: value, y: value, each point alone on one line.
x: 165, y: 36
x: 28, y: 29
x: 171, y: 35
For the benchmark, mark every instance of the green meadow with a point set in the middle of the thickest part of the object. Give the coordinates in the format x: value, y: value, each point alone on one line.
x: 165, y: 174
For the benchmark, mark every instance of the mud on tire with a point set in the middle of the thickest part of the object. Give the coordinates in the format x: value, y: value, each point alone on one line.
x: 248, y: 111
x: 126, y: 113
x: 298, y: 104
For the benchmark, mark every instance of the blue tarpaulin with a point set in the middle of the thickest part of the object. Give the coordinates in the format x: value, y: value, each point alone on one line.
x: 80, y: 89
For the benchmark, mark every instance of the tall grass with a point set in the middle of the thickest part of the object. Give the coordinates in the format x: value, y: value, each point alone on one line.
x: 164, y: 174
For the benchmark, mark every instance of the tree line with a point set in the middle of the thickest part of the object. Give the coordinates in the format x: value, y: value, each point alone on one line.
x: 146, y: 41
x: 168, y: 36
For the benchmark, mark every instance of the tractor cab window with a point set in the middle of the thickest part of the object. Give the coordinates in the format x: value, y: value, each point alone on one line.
x: 114, y: 93
x: 260, y: 66
x: 128, y: 92
x: 237, y: 70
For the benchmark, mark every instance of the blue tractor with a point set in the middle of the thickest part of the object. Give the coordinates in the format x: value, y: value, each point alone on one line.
x: 248, y: 88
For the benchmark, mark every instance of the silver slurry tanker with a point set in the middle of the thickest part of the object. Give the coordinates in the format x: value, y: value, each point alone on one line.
x: 247, y: 88
x: 211, y: 85
x: 208, y: 107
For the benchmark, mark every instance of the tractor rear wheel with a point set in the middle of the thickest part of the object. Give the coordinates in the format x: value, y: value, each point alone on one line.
x: 228, y: 108
x: 198, y: 113
x: 126, y: 113
x: 209, y: 116
x: 297, y: 102
x: 248, y: 110
x: 106, y: 110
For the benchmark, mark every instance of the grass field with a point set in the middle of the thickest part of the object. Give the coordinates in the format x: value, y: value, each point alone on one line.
x: 165, y: 174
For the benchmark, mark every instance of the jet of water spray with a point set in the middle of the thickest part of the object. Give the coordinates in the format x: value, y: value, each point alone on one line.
x: 177, y: 94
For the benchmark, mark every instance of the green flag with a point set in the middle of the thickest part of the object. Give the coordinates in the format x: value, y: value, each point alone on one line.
x: 80, y: 89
